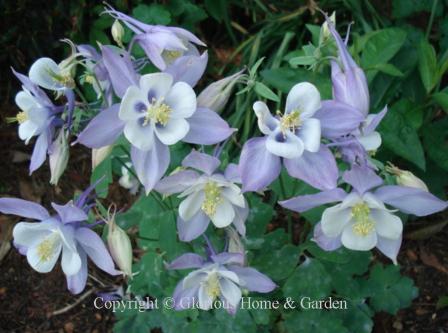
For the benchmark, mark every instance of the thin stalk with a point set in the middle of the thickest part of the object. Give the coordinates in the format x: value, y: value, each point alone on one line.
x: 431, y: 18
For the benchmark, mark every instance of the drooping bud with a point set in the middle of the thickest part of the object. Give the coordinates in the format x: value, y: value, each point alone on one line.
x: 406, y: 178
x: 59, y: 154
x: 117, y: 32
x: 216, y: 95
x: 119, y: 246
x: 99, y: 154
x: 235, y: 243
x: 127, y: 180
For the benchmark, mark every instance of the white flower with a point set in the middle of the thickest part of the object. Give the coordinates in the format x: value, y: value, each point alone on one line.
x: 127, y: 180
x: 214, y: 281
x: 46, y: 73
x: 34, y: 117
x: 360, y: 221
x: 295, y: 131
x: 157, y: 108
x: 44, y: 243
x: 215, y: 196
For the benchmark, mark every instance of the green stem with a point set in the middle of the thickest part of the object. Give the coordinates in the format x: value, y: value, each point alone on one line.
x: 431, y: 18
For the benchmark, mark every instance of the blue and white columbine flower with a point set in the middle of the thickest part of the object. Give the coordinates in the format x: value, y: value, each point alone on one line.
x: 361, y: 220
x: 210, y: 196
x: 222, y: 276
x: 65, y: 232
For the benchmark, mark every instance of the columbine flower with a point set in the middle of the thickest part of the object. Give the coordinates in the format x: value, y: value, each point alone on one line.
x: 222, y: 276
x: 154, y: 113
x: 36, y: 118
x: 293, y: 136
x: 361, y: 221
x: 216, y: 95
x: 161, y: 44
x: 65, y: 232
x: 210, y: 196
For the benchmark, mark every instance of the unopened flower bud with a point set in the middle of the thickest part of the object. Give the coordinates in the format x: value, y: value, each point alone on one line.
x: 58, y: 157
x: 324, y: 31
x: 216, y: 95
x: 117, y: 31
x: 235, y: 243
x: 99, y: 154
x: 407, y: 178
x: 119, y: 246
x: 127, y: 180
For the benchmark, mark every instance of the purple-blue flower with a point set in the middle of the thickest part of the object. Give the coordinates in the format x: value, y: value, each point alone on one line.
x: 65, y: 232
x: 207, y: 196
x: 361, y: 221
x: 294, y: 138
x: 222, y: 276
x: 154, y: 113
x: 163, y: 45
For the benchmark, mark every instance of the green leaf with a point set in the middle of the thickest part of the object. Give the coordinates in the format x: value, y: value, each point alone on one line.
x: 435, y: 139
x: 442, y: 302
x: 285, y: 78
x: 388, y: 290
x: 316, y: 321
x: 260, y: 215
x: 400, y: 136
x: 441, y: 98
x: 270, y: 261
x: 302, y: 61
x: 309, y: 279
x: 262, y: 90
x: 427, y: 65
x: 381, y: 47
x: 104, y: 171
x: 152, y: 14
x: 389, y: 69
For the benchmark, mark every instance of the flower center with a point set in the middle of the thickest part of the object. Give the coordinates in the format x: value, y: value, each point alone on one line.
x: 159, y: 112
x: 171, y: 55
x: 290, y: 121
x: 212, y: 198
x: 363, y: 225
x: 89, y: 79
x: 46, y: 248
x: 212, y: 285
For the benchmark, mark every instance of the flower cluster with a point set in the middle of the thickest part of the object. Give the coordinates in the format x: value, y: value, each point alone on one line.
x: 150, y: 112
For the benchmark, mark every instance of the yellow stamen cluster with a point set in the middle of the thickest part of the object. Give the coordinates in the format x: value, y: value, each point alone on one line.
x: 290, y: 121
x: 45, y: 249
x: 159, y: 112
x: 363, y: 223
x: 89, y: 79
x: 171, y: 55
x: 212, y: 285
x: 21, y: 117
x: 212, y: 198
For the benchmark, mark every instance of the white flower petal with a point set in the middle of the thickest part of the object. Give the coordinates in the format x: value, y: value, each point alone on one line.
x: 266, y: 122
x: 27, y: 130
x: 234, y: 196
x: 229, y: 275
x: 25, y: 101
x: 350, y: 200
x: 138, y: 135
x: 174, y: 131
x: 310, y: 132
x: 370, y: 141
x: 355, y: 242
x: 193, y: 279
x: 372, y: 201
x: 230, y: 292
x: 224, y: 214
x: 305, y: 98
x: 387, y: 225
x: 71, y: 261
x: 133, y: 105
x: 334, y: 219
x: 182, y: 100
x: 284, y: 145
x: 41, y: 74
x: 205, y: 301
x: 191, y: 205
x: 155, y: 85
x: 35, y: 260
x: 27, y: 234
